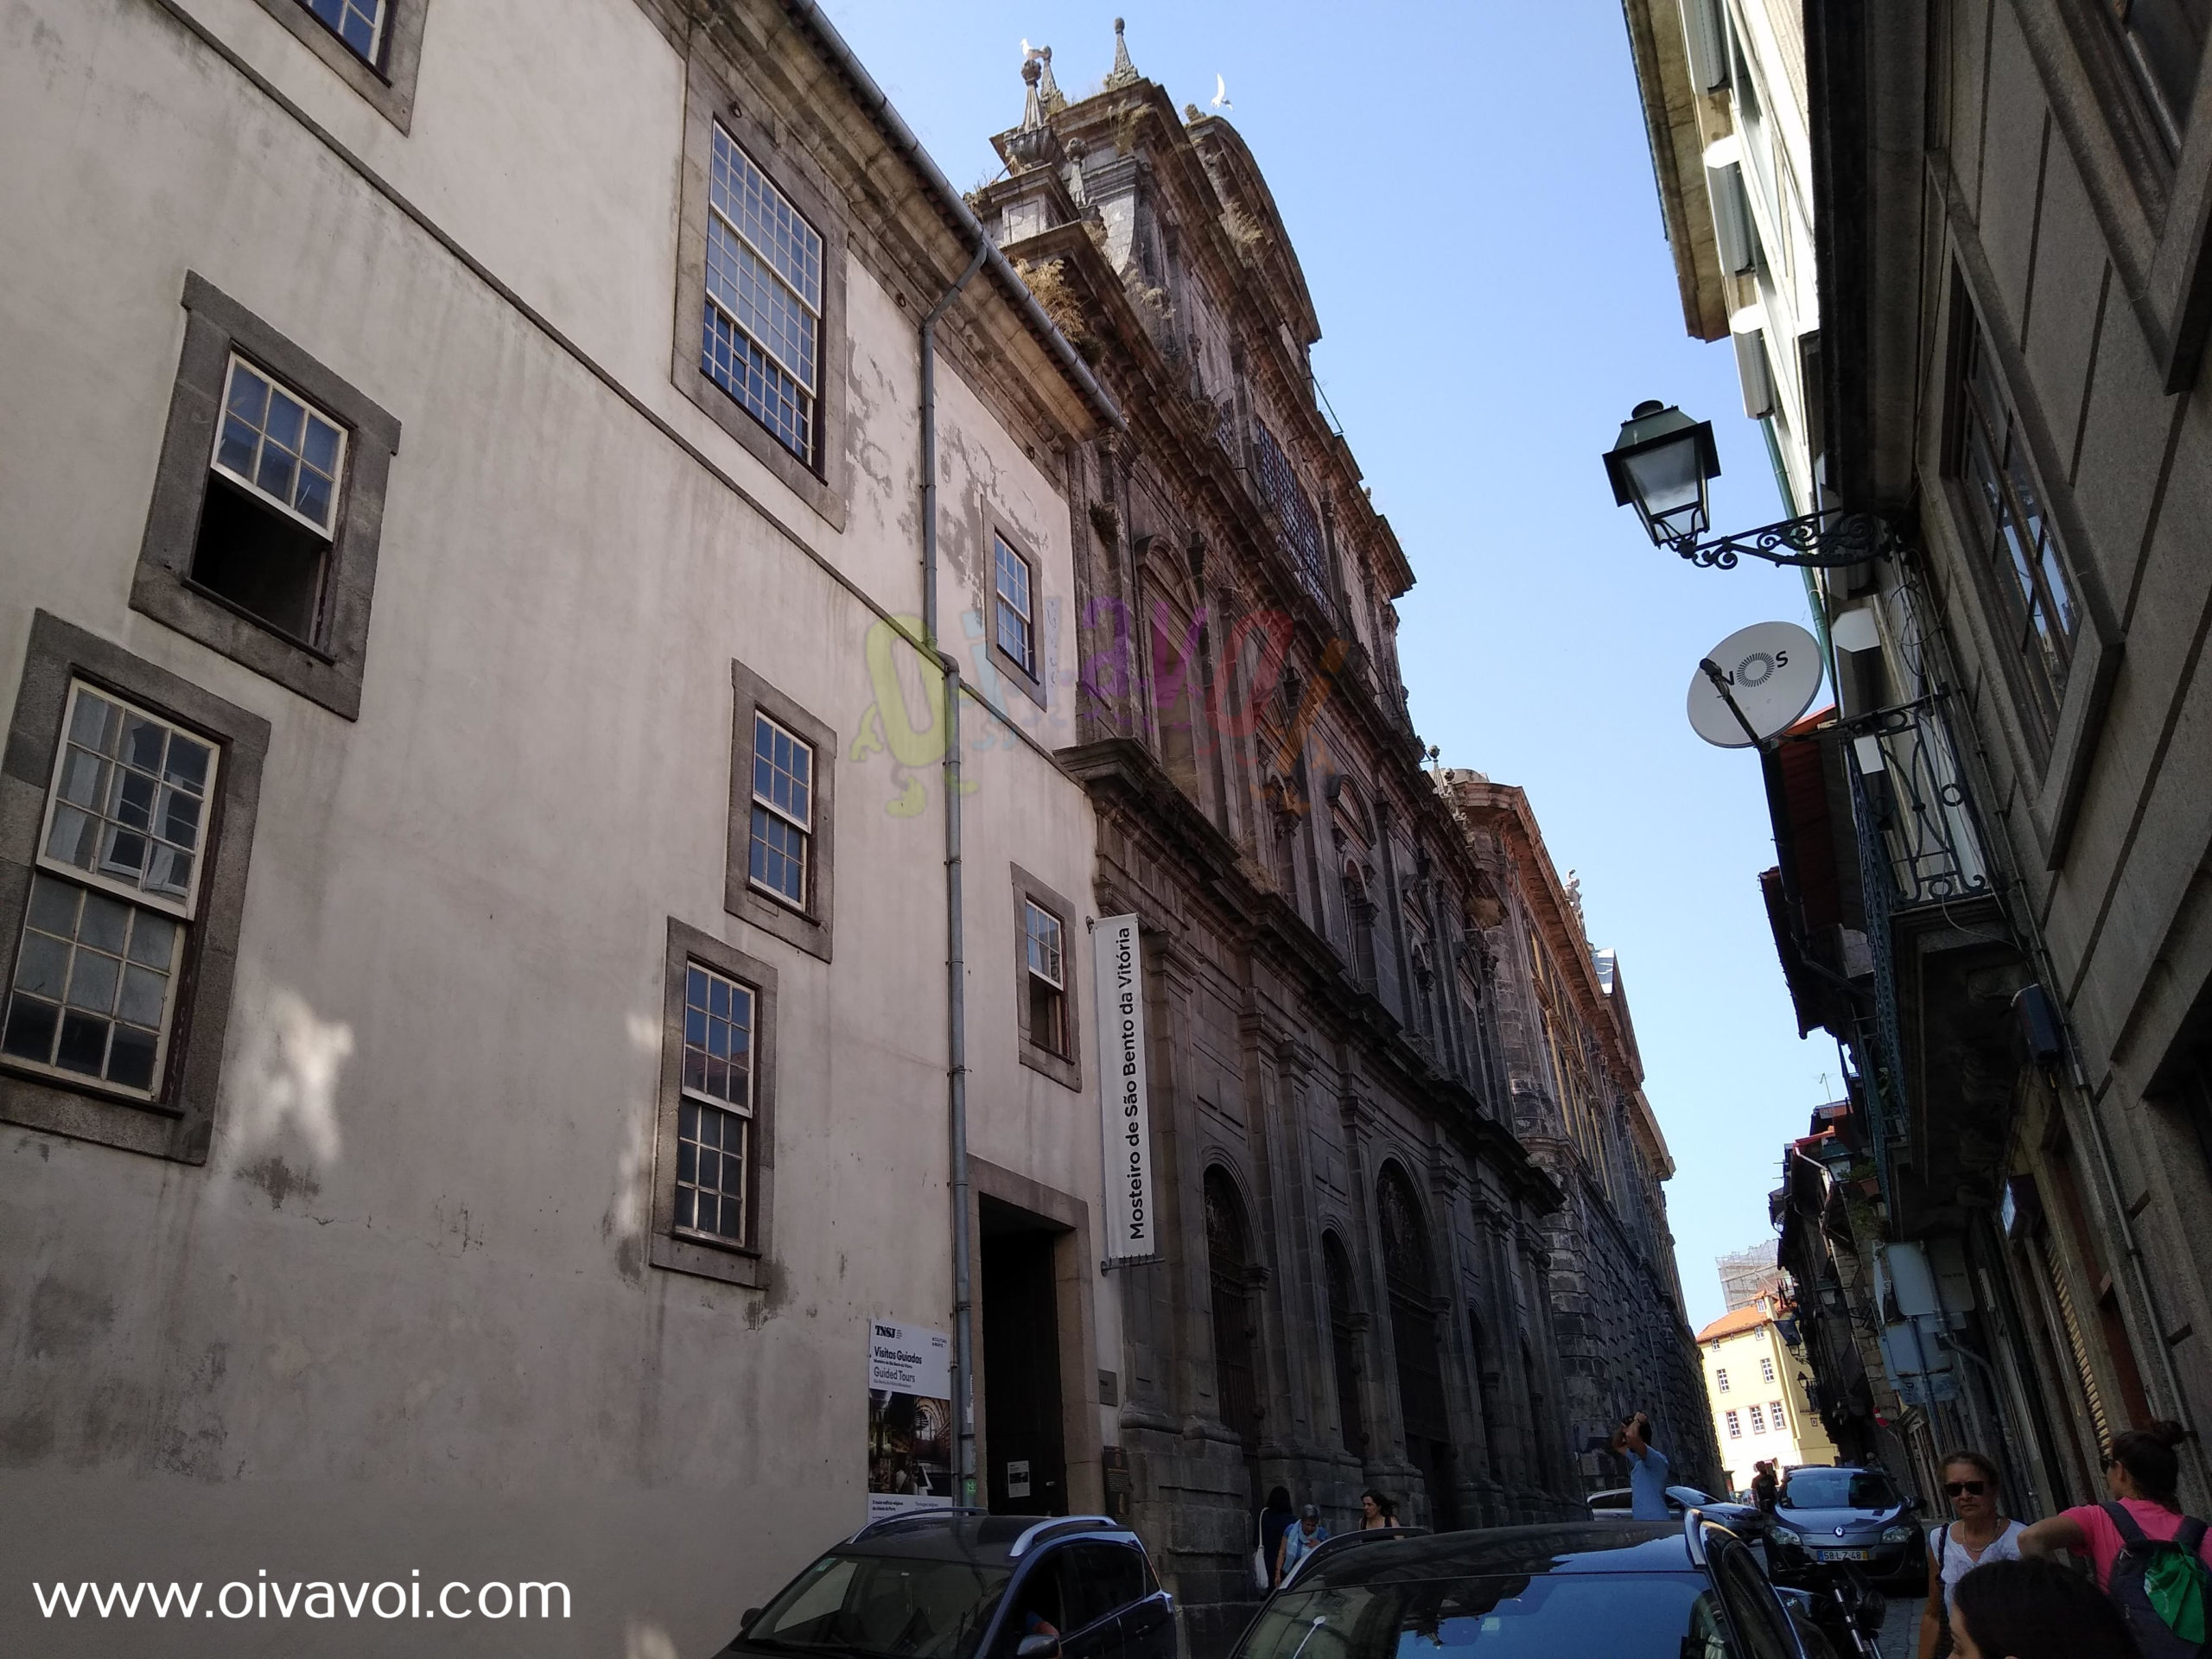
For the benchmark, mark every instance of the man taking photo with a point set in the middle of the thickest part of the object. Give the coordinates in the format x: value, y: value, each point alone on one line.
x: 1647, y: 1467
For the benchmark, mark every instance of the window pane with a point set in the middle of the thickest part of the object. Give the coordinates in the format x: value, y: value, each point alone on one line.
x: 764, y: 310
x: 71, y: 979
x: 353, y: 21
x: 122, y: 820
x: 717, y: 1047
x: 778, y: 855
x: 285, y: 449
x: 710, y: 1172
x: 2025, y: 562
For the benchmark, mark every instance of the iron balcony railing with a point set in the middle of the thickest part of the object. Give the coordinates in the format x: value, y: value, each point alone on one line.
x: 1910, y: 793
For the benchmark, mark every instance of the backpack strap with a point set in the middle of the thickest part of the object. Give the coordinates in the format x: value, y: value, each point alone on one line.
x: 1942, y: 1543
x: 2190, y: 1535
x: 2131, y: 1535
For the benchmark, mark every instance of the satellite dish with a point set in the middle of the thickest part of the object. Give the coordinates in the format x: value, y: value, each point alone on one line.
x: 1770, y: 671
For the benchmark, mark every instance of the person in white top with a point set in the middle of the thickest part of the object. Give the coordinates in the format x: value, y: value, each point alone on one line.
x: 1980, y: 1533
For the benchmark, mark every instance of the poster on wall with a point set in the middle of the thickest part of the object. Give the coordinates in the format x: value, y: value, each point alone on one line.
x: 909, y: 1418
x: 1117, y: 959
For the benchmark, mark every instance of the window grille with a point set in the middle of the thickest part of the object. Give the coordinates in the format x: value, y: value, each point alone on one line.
x: 1043, y: 942
x: 2018, y: 542
x: 1301, y: 528
x: 783, y: 810
x: 359, y: 24
x: 714, y: 1120
x: 1735, y: 1426
x: 1759, y: 1420
x: 93, y: 989
x: 764, y: 299
x: 1016, y: 635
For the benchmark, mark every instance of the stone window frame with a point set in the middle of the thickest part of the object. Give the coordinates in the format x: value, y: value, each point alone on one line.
x: 1030, y: 677
x: 808, y: 928
x: 715, y: 92
x: 178, y: 1122
x: 1027, y: 889
x: 2153, y: 204
x: 328, y: 671
x: 387, y: 87
x: 2054, y: 770
x: 747, y: 1263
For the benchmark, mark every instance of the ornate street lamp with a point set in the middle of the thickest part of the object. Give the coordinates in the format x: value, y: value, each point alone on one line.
x: 1661, y: 465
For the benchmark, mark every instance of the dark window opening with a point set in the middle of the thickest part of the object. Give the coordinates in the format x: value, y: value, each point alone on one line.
x: 265, y: 563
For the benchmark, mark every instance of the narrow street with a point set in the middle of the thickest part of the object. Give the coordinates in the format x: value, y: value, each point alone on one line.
x: 1900, y: 1630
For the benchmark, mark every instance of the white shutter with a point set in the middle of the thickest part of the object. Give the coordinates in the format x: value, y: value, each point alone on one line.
x: 1706, y: 36
x: 1731, y: 217
x: 1756, y: 372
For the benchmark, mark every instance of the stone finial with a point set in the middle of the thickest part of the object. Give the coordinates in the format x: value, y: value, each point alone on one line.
x: 1035, y: 144
x: 1124, y: 73
x: 1049, y: 94
x: 1032, y: 110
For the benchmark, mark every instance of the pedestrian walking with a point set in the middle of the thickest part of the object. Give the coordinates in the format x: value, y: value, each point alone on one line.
x: 1377, y: 1511
x: 1978, y: 1534
x: 1647, y: 1467
x: 2154, y: 1561
x: 1299, y: 1542
x: 2035, y: 1610
x: 1277, y: 1518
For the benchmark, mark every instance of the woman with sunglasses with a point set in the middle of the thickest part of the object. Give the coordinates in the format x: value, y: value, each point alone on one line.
x: 1978, y: 1533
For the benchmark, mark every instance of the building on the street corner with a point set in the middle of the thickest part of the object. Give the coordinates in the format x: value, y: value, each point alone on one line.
x: 473, y: 843
x: 1990, y: 884
x: 1756, y: 1382
x: 1575, y: 1079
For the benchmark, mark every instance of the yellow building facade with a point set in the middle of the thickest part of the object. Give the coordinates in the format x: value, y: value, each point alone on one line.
x: 1758, y: 1403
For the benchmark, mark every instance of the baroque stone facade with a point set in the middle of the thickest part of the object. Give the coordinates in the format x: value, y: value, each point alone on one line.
x: 1364, y: 1257
x: 1576, y: 1076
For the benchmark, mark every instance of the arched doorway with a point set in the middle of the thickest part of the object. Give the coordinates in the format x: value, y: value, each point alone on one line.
x: 1411, y: 1279
x: 1229, y: 1265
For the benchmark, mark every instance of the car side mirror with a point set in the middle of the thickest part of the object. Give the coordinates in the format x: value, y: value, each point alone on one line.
x: 1040, y: 1646
x: 745, y: 1619
x: 1912, y: 1504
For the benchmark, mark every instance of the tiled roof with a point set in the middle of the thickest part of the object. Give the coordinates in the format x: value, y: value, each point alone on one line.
x: 1736, y: 1322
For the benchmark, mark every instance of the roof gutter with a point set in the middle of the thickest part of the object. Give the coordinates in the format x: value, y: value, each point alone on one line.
x: 877, y: 106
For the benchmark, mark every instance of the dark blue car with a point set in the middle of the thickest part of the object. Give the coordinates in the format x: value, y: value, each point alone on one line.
x: 1608, y: 1589
x: 946, y: 1584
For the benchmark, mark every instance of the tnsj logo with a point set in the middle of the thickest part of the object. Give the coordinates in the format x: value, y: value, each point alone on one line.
x: 1111, y: 683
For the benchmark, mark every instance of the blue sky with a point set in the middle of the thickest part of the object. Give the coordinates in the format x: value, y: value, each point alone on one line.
x: 1470, y: 192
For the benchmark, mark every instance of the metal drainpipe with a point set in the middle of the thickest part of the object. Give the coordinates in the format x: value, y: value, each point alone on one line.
x: 956, y: 964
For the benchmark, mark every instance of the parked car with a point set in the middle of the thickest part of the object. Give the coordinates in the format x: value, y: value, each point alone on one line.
x: 1746, y: 1521
x: 958, y: 1584
x: 1851, y: 1514
x: 1608, y: 1589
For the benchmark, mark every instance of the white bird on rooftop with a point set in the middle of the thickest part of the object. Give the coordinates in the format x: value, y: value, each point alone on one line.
x: 1221, y: 94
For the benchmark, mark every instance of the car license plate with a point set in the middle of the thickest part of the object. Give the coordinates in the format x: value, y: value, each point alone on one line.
x: 1841, y: 1554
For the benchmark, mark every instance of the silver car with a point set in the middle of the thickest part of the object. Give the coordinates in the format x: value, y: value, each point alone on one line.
x: 1848, y: 1515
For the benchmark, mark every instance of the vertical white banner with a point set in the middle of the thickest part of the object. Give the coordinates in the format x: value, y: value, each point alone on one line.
x: 1117, y: 961
x: 909, y: 1417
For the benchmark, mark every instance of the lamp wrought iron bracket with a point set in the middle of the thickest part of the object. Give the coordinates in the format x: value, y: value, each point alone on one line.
x: 1829, y: 540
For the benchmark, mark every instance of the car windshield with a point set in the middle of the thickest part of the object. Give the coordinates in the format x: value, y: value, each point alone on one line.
x: 883, y: 1607
x: 1838, y: 1489
x: 1621, y: 1616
